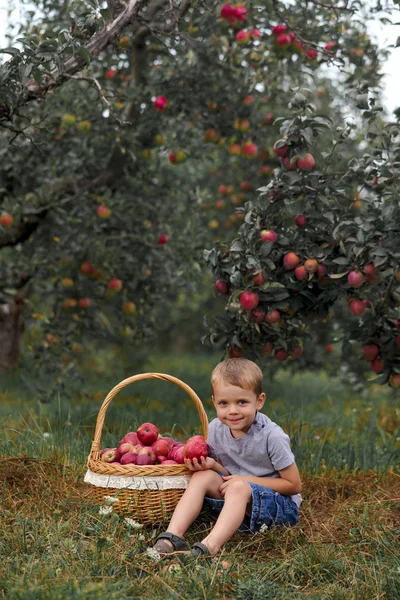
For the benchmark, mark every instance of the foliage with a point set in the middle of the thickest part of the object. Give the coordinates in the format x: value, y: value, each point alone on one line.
x: 135, y: 135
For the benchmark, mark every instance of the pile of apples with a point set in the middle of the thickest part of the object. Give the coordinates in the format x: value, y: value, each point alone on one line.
x: 146, y: 447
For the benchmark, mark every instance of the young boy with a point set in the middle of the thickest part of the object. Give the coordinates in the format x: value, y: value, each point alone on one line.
x: 251, y: 477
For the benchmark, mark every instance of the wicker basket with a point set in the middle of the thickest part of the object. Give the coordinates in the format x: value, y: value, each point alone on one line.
x: 151, y: 504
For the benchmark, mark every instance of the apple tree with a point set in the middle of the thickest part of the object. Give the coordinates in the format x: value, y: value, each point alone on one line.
x: 136, y: 134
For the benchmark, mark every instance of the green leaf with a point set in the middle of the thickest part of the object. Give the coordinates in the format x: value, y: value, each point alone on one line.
x: 85, y: 55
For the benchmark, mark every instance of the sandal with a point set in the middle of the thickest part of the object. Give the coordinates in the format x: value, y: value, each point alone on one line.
x: 168, y: 543
x: 201, y: 550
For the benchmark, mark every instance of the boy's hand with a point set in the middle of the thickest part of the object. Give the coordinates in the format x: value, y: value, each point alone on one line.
x: 228, y: 480
x: 202, y: 465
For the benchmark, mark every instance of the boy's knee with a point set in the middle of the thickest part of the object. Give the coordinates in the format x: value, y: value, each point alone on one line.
x: 240, y: 488
x: 204, y: 477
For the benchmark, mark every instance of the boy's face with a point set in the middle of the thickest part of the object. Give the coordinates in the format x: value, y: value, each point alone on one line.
x: 236, y: 407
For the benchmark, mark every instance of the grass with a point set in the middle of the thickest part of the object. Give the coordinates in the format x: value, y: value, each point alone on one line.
x: 55, y: 544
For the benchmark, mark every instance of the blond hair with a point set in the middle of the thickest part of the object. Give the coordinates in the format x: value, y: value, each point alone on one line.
x: 241, y: 372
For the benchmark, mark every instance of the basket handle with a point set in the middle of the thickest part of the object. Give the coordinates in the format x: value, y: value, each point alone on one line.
x: 163, y: 376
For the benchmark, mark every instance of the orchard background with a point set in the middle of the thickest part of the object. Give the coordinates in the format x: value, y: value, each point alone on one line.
x: 199, y: 179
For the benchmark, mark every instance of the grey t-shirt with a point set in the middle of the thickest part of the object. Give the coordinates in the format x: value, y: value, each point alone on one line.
x: 263, y: 451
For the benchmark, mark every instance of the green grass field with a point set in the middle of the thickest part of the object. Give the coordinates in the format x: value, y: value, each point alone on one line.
x: 55, y: 544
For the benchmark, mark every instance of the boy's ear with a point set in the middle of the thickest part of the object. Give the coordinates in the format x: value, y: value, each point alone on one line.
x: 260, y: 400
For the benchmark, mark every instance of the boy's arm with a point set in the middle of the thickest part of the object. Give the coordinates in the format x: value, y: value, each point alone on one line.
x: 287, y: 484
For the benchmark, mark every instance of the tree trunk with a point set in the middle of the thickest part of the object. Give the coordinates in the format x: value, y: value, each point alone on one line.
x: 10, y: 333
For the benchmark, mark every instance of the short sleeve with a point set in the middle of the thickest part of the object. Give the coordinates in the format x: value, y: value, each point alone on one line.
x: 278, y: 448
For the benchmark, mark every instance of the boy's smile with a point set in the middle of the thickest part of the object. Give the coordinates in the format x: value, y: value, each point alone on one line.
x: 236, y: 407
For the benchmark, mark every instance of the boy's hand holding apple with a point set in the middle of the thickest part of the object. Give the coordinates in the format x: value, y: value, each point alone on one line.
x: 202, y: 464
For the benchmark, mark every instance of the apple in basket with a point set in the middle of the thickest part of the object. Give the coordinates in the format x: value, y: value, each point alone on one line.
x: 161, y: 447
x: 129, y: 458
x: 169, y: 462
x: 171, y: 453
x: 147, y: 451
x: 178, y: 456
x: 128, y: 447
x: 161, y: 459
x: 196, y: 447
x: 147, y: 433
x: 170, y: 440
x: 109, y: 455
x: 131, y: 437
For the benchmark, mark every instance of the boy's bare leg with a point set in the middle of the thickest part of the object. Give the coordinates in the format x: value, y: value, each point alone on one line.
x: 202, y: 483
x: 237, y: 495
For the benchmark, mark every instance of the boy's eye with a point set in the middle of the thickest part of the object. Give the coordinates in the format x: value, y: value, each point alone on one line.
x: 242, y: 401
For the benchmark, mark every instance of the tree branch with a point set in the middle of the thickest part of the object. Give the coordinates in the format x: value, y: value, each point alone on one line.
x: 96, y: 44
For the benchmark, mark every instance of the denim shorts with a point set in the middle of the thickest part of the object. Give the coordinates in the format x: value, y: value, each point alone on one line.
x: 267, y: 508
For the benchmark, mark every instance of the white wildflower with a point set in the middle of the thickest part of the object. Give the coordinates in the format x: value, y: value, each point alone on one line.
x: 141, y: 538
x: 132, y: 523
x: 46, y: 434
x: 263, y: 528
x: 111, y: 499
x: 153, y: 554
x: 105, y: 510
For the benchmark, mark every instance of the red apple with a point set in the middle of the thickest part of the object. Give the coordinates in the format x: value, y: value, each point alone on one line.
x: 357, y: 307
x: 300, y: 220
x: 394, y: 381
x: 377, y: 365
x: 311, y: 53
x: 291, y: 260
x: 258, y: 315
x: 297, y: 352
x: 235, y: 352
x: 266, y: 350
x: 147, y: 433
x: 144, y: 460
x: 355, y: 279
x: 6, y: 220
x: 221, y: 286
x: 179, y: 456
x: 281, y: 354
x: 249, y: 300
x: 281, y: 148
x: 110, y: 73
x: 148, y: 450
x: 163, y: 239
x: 370, y: 352
x: 86, y: 267
x: 129, y: 458
x: 110, y: 455
x: 131, y: 437
x: 329, y: 348
x: 272, y: 316
x: 127, y: 447
x: 170, y: 440
x: 161, y: 447
x: 306, y: 163
x: 171, y: 453
x: 283, y: 39
x: 115, y: 285
x: 170, y: 462
x: 370, y: 271
x: 258, y: 278
x: 321, y: 271
x: 161, y: 459
x: 278, y: 29
x: 160, y: 103
x: 103, y: 212
x: 311, y: 265
x: 300, y: 273
x: 267, y: 235
x: 84, y: 302
x: 196, y: 447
